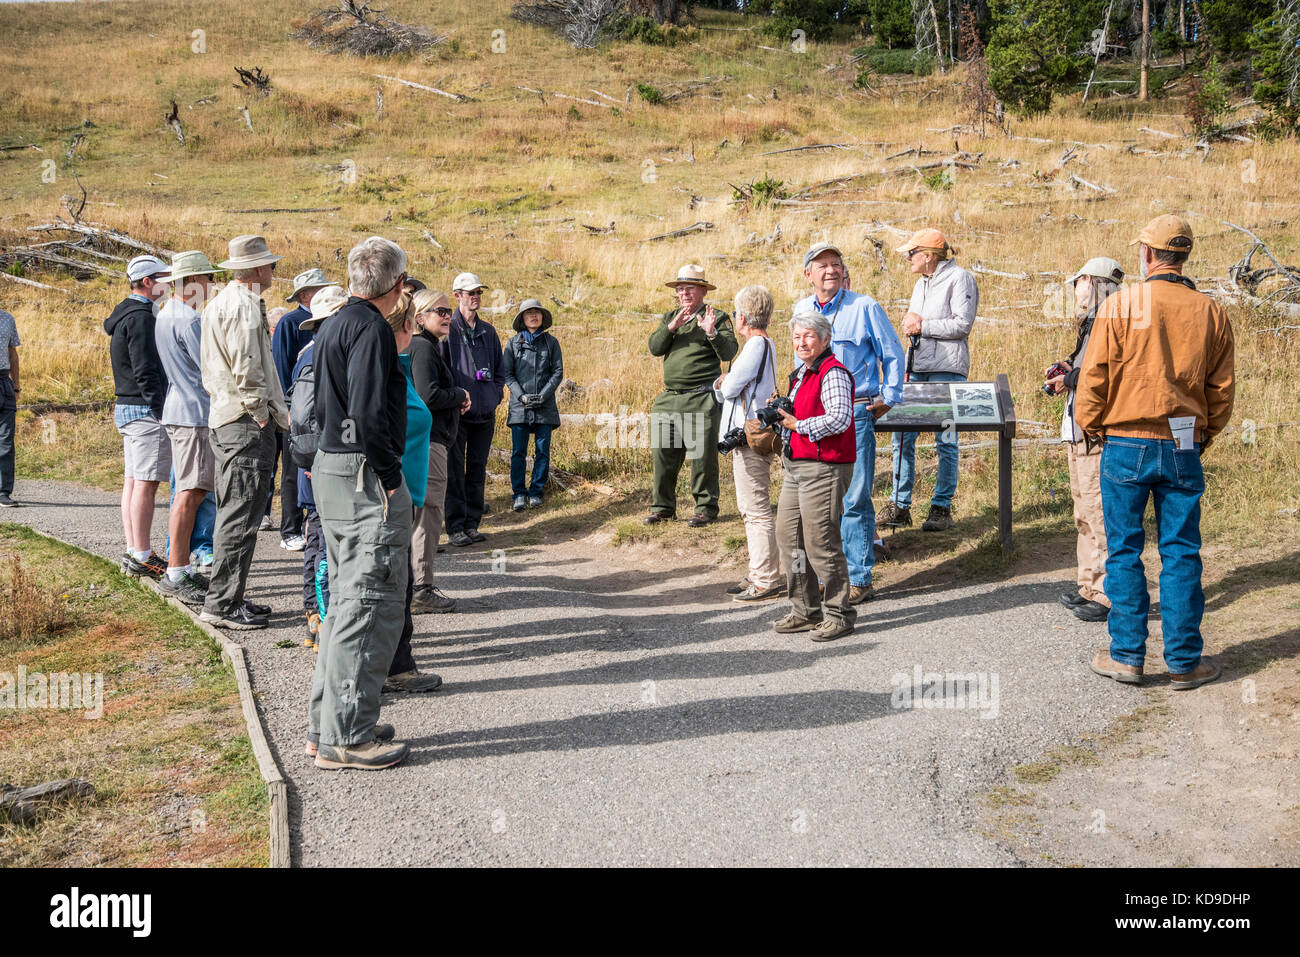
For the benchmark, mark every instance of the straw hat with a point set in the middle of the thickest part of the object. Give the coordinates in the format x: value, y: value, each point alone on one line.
x: 249, y: 252
x: 691, y: 275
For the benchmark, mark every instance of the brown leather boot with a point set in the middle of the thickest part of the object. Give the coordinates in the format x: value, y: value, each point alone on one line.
x: 1107, y: 667
x: 1202, y: 674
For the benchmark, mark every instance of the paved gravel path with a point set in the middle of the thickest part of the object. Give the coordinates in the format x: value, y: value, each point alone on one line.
x: 594, y: 713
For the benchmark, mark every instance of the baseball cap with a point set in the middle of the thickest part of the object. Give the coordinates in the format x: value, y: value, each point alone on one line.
x: 142, y: 266
x: 1100, y: 267
x: 467, y: 282
x: 925, y: 239
x: 1167, y: 232
x: 817, y: 250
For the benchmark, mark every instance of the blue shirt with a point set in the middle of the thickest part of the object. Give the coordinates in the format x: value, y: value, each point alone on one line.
x: 419, y: 423
x: 863, y: 338
x: 288, y: 342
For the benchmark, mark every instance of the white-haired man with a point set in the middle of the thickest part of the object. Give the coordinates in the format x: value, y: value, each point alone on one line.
x: 365, y: 513
x: 247, y: 406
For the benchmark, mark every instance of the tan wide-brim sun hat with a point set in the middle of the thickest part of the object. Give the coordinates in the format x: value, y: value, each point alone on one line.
x: 532, y: 304
x: 192, y: 262
x: 323, y: 305
x: 1168, y: 232
x: 690, y: 275
x: 249, y: 252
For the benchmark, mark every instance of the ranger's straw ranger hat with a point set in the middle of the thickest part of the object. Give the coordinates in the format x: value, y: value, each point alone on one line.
x: 690, y: 275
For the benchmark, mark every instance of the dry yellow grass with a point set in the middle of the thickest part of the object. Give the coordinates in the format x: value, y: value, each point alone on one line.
x: 506, y: 182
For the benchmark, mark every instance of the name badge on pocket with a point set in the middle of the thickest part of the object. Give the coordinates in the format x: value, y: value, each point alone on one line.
x: 1183, y: 428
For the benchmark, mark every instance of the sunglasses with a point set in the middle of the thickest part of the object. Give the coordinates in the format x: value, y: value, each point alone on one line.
x: 443, y: 311
x: 911, y: 252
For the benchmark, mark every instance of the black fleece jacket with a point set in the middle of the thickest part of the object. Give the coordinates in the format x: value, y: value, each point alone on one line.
x: 361, y: 389
x: 138, y: 375
x: 435, y: 383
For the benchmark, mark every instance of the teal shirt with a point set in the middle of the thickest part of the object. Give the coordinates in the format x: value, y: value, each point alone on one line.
x: 419, y: 423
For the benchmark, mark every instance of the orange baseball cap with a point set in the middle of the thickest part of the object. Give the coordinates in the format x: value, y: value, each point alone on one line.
x: 925, y: 239
x: 1168, y: 232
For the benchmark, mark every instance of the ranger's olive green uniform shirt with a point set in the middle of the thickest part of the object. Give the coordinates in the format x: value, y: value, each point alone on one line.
x: 691, y: 358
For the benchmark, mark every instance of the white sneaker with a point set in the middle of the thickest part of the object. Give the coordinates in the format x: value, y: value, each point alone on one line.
x: 294, y: 543
x: 265, y: 525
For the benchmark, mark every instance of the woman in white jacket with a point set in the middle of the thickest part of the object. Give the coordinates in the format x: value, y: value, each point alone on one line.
x: 744, y: 388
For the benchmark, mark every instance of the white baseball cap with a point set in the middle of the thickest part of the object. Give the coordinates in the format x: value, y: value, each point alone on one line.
x: 142, y: 266
x: 467, y: 282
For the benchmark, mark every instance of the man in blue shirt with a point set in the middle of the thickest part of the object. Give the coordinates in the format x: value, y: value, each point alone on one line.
x: 287, y: 342
x: 863, y: 339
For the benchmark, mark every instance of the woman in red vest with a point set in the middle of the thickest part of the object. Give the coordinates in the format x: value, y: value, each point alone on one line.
x: 817, y: 460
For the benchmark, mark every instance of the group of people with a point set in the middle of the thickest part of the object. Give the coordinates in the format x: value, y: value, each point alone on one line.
x: 379, y: 402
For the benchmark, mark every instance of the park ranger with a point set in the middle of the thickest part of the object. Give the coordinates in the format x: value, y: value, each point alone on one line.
x: 694, y: 340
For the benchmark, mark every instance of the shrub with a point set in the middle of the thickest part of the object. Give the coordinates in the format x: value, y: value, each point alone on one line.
x: 650, y: 94
x: 901, y: 60
x: 1208, y: 103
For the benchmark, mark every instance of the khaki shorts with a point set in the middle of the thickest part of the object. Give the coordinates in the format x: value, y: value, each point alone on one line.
x: 145, y: 450
x: 193, y: 461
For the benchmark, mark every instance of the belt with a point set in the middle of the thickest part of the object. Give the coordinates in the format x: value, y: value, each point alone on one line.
x: 707, y: 387
x: 866, y: 400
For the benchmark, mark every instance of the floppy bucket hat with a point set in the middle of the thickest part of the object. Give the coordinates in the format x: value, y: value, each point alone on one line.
x: 249, y: 252
x: 1100, y: 267
x: 532, y: 304
x: 692, y: 275
x: 323, y: 305
x: 192, y: 262
x: 1168, y: 232
x: 311, y: 279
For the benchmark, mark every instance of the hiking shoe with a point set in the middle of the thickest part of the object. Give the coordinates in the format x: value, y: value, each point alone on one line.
x: 261, y: 611
x: 238, y: 620
x: 6, y: 501
x: 411, y: 681
x: 740, y: 586
x: 792, y: 623
x: 520, y: 503
x: 294, y: 543
x: 188, y: 590
x: 1107, y: 667
x: 654, y: 518
x: 202, y: 557
x: 1071, y: 599
x: 860, y: 593
x: 475, y: 535
x: 534, y: 501
x: 830, y: 629
x: 1091, y: 611
x: 894, y: 517
x: 371, y: 756
x: 428, y: 599
x: 939, y: 519
x: 204, y: 581
x: 383, y: 732
x: 700, y: 519
x: 754, y: 593
x: 1202, y: 674
x: 460, y: 539
x: 152, y: 567
x: 265, y: 524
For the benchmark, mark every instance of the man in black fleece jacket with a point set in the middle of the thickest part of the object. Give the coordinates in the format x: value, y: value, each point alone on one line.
x: 140, y: 384
x: 365, y: 513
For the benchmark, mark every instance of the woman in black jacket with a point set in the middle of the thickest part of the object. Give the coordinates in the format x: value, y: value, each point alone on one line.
x: 433, y: 380
x: 533, y: 370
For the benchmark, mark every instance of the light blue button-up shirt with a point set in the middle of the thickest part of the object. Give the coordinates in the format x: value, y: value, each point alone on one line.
x: 864, y: 340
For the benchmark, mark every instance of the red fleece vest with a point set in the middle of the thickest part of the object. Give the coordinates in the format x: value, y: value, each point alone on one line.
x: 808, y: 403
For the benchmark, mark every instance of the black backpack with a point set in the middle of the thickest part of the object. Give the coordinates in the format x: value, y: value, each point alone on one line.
x: 304, y: 433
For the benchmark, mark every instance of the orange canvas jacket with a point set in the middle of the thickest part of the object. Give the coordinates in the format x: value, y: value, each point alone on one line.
x: 1158, y: 349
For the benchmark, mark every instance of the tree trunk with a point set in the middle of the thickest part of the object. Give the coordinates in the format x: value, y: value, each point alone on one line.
x: 1146, y: 49
x: 938, y: 38
x: 1182, y: 31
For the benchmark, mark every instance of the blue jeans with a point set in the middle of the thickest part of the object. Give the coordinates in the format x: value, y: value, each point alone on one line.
x: 519, y: 459
x: 945, y: 487
x: 1133, y: 470
x: 205, y: 520
x: 858, y: 523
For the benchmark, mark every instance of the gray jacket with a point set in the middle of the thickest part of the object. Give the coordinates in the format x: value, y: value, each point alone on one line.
x: 533, y: 368
x: 947, y: 301
x: 178, y: 335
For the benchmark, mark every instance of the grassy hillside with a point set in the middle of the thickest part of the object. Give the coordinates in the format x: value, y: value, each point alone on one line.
x: 506, y: 182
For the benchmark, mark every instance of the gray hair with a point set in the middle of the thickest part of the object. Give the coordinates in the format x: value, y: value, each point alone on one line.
x: 814, y: 321
x: 374, y: 266
x: 755, y: 302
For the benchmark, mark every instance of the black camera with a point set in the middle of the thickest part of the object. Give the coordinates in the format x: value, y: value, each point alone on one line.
x: 770, y: 414
x: 732, y: 440
x: 1060, y: 368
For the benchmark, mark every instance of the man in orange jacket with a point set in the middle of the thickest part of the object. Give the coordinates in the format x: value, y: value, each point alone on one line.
x: 1157, y: 385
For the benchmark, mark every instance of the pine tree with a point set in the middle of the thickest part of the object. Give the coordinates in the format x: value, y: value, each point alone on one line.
x: 1038, y: 48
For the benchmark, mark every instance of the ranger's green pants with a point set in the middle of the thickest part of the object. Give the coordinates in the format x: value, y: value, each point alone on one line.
x: 684, y: 427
